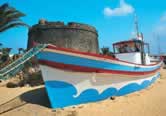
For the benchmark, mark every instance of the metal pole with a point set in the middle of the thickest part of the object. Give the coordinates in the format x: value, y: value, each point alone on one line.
x: 159, y: 49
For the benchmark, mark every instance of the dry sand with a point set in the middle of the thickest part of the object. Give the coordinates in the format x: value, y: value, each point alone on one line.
x: 28, y: 101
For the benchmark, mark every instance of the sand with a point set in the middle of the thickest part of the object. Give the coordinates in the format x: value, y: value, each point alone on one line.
x: 33, y: 101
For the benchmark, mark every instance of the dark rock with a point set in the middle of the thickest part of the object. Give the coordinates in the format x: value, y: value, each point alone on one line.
x: 112, y: 98
x: 11, y: 85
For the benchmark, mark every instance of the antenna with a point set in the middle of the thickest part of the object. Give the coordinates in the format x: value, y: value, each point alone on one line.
x: 159, y: 49
x: 157, y: 40
x: 136, y: 25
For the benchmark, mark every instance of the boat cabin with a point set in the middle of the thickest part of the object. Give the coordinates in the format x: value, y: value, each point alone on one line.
x: 135, y: 51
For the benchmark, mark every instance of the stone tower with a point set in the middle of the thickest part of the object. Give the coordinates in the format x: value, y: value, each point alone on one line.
x: 77, y: 36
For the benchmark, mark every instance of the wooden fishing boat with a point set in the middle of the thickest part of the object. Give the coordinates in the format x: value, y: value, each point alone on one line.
x: 72, y: 77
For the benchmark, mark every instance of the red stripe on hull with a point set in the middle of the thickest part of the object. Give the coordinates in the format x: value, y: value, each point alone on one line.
x: 92, y: 54
x: 88, y: 69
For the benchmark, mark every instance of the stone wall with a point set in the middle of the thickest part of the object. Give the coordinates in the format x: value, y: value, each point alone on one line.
x: 73, y: 35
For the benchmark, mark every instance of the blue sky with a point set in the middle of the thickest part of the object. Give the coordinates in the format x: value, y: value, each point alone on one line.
x: 114, y: 19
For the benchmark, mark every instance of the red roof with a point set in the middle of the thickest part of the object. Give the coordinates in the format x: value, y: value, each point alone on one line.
x: 127, y: 41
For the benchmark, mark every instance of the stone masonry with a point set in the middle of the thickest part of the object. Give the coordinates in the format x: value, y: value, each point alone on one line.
x: 77, y: 36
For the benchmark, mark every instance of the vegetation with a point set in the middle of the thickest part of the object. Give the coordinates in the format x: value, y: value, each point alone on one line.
x: 10, y: 17
x: 4, y: 57
x: 5, y: 54
x: 106, y: 51
x: 21, y: 50
x: 0, y: 48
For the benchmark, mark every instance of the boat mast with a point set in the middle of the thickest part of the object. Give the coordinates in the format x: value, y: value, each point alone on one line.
x: 138, y: 35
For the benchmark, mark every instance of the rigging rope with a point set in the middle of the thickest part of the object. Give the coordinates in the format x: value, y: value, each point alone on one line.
x: 17, y: 65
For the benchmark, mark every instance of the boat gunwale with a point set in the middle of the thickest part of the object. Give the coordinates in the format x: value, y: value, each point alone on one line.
x: 50, y: 46
x: 92, y: 69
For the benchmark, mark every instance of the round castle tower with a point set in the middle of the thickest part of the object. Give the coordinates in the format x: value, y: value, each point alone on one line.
x: 77, y: 36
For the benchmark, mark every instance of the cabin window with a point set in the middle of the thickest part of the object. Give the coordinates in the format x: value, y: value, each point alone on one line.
x: 137, y: 47
x: 127, y: 47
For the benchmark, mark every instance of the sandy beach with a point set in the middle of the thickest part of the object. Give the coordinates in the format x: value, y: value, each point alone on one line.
x: 33, y: 101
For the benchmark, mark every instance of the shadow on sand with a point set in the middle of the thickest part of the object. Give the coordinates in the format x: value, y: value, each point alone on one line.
x: 37, y: 96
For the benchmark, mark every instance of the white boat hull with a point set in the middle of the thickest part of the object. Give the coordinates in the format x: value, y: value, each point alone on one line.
x: 66, y: 88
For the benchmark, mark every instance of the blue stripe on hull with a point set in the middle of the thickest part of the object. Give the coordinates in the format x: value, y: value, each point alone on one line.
x: 67, y: 59
x: 61, y: 93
